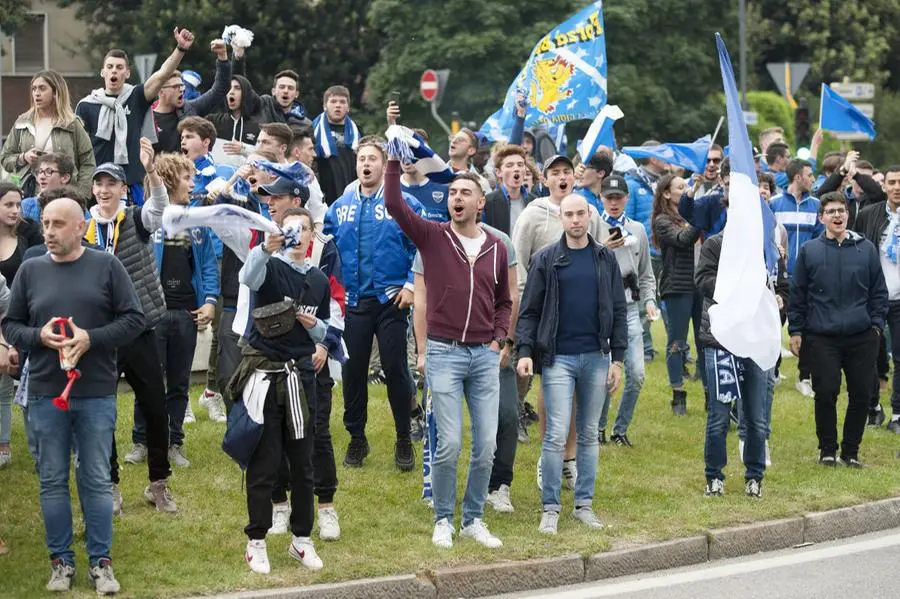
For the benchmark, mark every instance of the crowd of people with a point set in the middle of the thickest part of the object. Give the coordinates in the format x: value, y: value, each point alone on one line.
x: 506, y: 266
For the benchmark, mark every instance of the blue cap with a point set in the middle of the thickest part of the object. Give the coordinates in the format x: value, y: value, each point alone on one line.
x: 112, y: 169
x: 283, y: 186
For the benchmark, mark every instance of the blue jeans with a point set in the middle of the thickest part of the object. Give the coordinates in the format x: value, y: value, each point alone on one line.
x: 754, y: 388
x: 453, y: 371
x: 585, y: 376
x: 6, y: 402
x: 634, y: 375
x: 770, y: 396
x: 92, y: 420
x: 681, y: 307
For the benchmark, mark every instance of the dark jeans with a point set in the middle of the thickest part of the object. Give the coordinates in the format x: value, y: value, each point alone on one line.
x: 656, y: 264
x: 855, y: 355
x: 176, y: 335
x: 228, y: 352
x: 388, y: 325
x: 140, y: 363
x: 893, y: 320
x: 324, y: 468
x: 263, y: 469
x: 683, y: 308
x: 507, y: 429
x: 212, y: 382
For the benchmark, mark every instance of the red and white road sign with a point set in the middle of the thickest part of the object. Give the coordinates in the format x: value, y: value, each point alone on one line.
x: 428, y: 85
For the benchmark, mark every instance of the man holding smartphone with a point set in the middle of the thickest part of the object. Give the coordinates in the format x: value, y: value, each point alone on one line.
x: 628, y: 241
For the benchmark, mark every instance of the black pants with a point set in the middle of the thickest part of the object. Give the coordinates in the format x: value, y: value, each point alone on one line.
x: 176, y: 335
x: 263, y: 469
x: 228, y: 354
x: 893, y: 320
x: 803, y: 361
x: 324, y: 468
x: 855, y: 355
x: 388, y: 325
x: 140, y: 363
x: 507, y: 429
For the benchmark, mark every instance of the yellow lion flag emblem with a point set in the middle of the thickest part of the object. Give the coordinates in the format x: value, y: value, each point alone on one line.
x: 550, y: 83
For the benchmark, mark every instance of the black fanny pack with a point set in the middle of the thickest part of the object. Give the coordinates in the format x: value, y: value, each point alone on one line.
x: 274, y: 320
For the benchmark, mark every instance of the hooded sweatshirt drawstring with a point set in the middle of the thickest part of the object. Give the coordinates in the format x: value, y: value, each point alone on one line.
x: 495, y: 265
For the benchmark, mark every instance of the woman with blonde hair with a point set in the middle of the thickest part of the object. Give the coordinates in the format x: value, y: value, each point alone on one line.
x: 50, y: 125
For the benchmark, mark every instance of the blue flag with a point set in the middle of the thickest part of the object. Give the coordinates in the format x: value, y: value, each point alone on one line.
x: 837, y: 114
x: 690, y: 156
x: 564, y: 78
x: 600, y: 133
x: 744, y: 319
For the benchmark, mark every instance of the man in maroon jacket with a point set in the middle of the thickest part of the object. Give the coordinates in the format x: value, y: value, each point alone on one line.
x: 468, y: 315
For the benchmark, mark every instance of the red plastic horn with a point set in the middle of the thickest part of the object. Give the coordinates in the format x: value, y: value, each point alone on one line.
x: 60, y: 325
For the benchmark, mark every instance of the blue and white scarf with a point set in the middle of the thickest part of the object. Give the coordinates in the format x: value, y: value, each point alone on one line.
x: 729, y: 374
x: 410, y: 148
x: 892, y: 242
x: 326, y: 147
x: 627, y: 235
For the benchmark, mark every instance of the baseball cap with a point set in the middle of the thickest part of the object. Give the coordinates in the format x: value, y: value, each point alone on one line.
x: 558, y: 158
x: 112, y: 169
x: 614, y: 185
x: 283, y: 186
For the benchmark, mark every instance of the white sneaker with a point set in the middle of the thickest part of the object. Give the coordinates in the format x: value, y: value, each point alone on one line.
x: 443, y: 534
x: 281, y: 518
x: 189, y: 417
x: 741, y: 450
x: 214, y: 405
x: 257, y: 557
x: 478, y: 530
x: 804, y: 388
x: 570, y: 474
x: 786, y: 354
x: 768, y: 454
x: 586, y: 516
x: 540, y: 474
x: 329, y: 527
x: 499, y: 500
x: 549, y: 522
x: 303, y: 551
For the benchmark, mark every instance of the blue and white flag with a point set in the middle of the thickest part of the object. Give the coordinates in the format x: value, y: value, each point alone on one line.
x: 837, y: 114
x: 295, y: 171
x: 600, y: 133
x: 690, y: 156
x: 744, y: 319
x: 564, y: 78
x: 410, y: 148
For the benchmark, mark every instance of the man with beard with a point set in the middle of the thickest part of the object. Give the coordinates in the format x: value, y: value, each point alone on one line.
x: 172, y: 107
x: 282, y: 106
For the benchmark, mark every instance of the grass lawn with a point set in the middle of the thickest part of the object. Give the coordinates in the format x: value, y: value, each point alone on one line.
x: 654, y: 491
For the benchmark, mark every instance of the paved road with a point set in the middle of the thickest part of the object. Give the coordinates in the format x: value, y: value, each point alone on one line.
x: 860, y: 568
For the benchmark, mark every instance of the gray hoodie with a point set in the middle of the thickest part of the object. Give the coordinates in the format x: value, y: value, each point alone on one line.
x: 634, y: 257
x: 539, y: 226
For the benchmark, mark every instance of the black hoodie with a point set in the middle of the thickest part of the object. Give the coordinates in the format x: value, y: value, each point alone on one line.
x: 245, y: 128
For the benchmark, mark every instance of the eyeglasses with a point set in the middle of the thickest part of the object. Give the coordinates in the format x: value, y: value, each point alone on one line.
x: 178, y: 86
x: 835, y: 211
x: 47, y: 172
x: 713, y: 160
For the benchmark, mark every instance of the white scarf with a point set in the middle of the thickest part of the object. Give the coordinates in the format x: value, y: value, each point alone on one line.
x: 113, y: 119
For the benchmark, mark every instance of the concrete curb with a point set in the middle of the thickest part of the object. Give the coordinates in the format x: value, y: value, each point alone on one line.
x: 511, y: 577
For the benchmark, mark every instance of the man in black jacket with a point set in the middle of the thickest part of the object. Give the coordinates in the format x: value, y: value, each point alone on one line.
x: 580, y: 339
x: 863, y: 189
x: 880, y: 224
x: 837, y: 307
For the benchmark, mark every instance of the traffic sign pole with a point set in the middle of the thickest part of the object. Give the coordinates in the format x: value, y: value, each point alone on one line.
x: 431, y: 86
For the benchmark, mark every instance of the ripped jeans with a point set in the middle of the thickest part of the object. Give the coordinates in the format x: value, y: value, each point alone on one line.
x: 682, y: 308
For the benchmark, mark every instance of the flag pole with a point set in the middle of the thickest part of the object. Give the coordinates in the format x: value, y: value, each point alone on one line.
x: 821, y: 103
x: 718, y: 128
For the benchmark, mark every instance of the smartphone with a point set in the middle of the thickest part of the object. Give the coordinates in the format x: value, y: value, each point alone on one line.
x: 394, y: 97
x: 615, y: 233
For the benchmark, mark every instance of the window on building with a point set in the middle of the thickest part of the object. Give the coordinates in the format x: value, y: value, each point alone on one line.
x: 29, y: 45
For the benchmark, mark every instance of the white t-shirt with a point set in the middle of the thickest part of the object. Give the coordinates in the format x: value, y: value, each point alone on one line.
x: 472, y: 245
x: 42, y: 130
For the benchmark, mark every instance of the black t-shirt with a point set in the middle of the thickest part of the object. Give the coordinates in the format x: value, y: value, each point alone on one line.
x: 169, y: 140
x: 9, y: 266
x: 177, y: 271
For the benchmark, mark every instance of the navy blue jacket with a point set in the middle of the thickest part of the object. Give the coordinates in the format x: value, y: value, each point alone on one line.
x: 837, y: 289
x: 539, y: 308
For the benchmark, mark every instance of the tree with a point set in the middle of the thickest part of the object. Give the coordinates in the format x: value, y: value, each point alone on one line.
x: 327, y: 41
x: 14, y: 14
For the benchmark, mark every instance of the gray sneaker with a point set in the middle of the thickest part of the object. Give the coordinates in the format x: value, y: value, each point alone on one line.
x: 176, y: 456
x: 158, y: 494
x: 586, y: 516
x: 137, y: 455
x: 103, y: 579
x: 61, y: 575
x: 117, y: 500
x: 549, y: 523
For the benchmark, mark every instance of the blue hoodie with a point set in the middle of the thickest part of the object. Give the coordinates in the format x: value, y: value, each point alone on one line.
x: 640, y: 205
x: 801, y: 220
x: 386, y: 266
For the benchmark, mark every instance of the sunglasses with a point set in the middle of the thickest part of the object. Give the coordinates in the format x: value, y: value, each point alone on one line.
x: 714, y: 160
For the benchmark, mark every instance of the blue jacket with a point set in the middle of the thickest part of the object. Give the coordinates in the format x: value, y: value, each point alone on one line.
x: 205, y: 274
x: 640, y: 206
x: 800, y: 220
x: 707, y: 212
x: 837, y: 289
x: 394, y: 252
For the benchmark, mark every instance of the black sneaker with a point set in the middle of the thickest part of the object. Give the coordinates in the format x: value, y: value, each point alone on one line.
x: 851, y: 463
x: 530, y: 415
x: 827, y: 459
x: 753, y: 488
x: 404, y: 456
x: 621, y: 440
x: 357, y: 451
x: 417, y: 425
x: 715, y: 487
x: 601, y: 437
x: 894, y: 426
x: 876, y: 417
